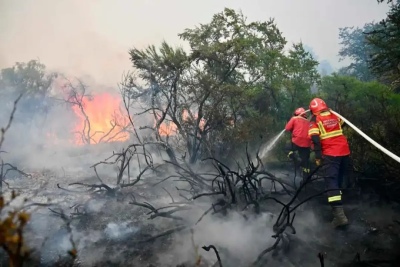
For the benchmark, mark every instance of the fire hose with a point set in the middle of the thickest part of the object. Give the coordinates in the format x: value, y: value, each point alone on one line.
x: 369, y: 139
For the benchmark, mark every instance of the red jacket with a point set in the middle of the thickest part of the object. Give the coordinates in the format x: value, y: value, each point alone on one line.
x: 327, y: 126
x: 299, y: 126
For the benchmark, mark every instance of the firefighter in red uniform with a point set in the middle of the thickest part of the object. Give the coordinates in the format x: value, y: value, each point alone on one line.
x: 332, y: 151
x: 298, y: 125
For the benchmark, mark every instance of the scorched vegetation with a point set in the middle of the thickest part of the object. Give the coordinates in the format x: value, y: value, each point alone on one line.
x: 168, y: 172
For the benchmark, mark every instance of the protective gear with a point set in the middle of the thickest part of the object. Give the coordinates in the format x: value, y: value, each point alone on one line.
x: 332, y: 149
x: 306, y: 173
x: 301, y: 142
x: 326, y: 133
x: 294, y: 154
x: 339, y: 217
x: 300, y: 112
x: 299, y: 127
x: 333, y: 171
x: 318, y: 162
x: 318, y: 105
x: 300, y: 157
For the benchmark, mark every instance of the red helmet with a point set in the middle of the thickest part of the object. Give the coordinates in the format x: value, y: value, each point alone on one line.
x: 300, y: 111
x: 317, y: 105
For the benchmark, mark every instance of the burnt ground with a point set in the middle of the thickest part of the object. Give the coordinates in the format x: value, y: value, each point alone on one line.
x: 371, y: 239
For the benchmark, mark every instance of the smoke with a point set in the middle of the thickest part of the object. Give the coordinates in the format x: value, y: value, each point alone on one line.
x: 119, y: 231
x: 239, y: 239
x: 63, y: 36
x: 63, y: 32
x: 242, y: 239
x: 45, y: 140
x: 108, y: 221
x: 41, y: 143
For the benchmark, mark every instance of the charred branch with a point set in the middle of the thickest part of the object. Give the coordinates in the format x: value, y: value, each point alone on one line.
x: 74, y: 251
x: 286, y: 217
x: 5, y: 168
x: 155, y: 212
x: 3, y: 130
x: 244, y: 187
x: 76, y: 97
x: 3, y: 173
x: 163, y: 234
x: 123, y: 160
x: 95, y: 188
x: 321, y: 259
x: 73, y: 191
x: 207, y: 248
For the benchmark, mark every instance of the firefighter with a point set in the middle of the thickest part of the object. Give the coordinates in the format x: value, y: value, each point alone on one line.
x: 331, y: 152
x: 298, y: 125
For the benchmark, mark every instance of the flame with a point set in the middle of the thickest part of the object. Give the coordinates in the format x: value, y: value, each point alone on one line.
x: 106, y: 121
x: 168, y: 128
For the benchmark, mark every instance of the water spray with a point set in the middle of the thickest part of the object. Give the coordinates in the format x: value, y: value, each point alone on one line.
x: 271, y: 144
x: 304, y: 112
x: 369, y: 139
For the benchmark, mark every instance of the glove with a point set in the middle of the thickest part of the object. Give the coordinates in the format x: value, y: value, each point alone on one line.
x: 318, y: 162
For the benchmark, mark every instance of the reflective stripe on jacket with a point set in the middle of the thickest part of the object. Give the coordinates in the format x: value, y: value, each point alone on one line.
x: 298, y: 125
x: 328, y: 127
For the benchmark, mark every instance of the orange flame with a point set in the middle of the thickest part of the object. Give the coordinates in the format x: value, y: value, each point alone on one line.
x: 107, y: 123
x: 168, y: 128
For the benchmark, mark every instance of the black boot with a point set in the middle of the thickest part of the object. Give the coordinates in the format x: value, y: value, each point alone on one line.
x: 339, y: 218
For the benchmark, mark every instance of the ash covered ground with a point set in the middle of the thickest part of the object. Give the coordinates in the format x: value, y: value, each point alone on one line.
x: 108, y: 176
x: 164, y: 220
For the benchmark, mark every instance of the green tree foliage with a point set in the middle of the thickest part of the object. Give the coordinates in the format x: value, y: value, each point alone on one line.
x: 237, y: 77
x: 385, y: 38
x: 387, y: 1
x: 367, y: 93
x: 238, y: 81
x: 300, y: 75
x: 356, y: 47
x: 375, y: 109
x: 32, y: 80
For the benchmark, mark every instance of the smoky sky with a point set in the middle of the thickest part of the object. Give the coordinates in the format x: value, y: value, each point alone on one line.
x: 92, y: 37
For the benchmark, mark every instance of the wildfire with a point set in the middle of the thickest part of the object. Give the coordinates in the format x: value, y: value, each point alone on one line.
x: 168, y: 128
x: 100, y: 120
x: 104, y: 122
